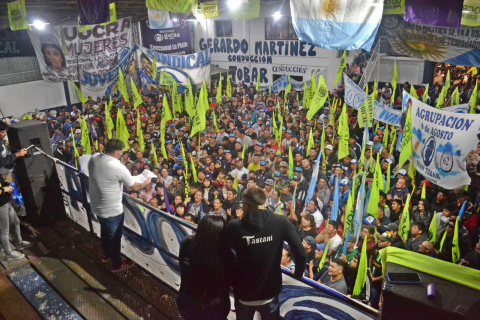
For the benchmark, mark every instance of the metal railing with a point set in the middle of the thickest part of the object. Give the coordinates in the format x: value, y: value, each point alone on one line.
x: 371, y: 64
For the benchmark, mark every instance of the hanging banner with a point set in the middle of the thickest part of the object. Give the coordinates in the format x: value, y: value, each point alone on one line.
x: 93, y: 11
x: 457, y: 46
x: 441, y: 13
x: 471, y: 13
x: 96, y: 51
x: 246, y: 10
x: 195, y: 66
x: 393, y: 7
x: 209, y: 9
x: 354, y: 97
x: 442, y: 142
x: 15, y: 44
x: 175, y: 40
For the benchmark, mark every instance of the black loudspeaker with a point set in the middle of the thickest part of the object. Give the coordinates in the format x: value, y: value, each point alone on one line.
x: 37, y: 177
x: 410, y: 301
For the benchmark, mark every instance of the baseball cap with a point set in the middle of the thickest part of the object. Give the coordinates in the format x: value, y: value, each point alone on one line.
x: 385, y: 237
x: 344, y: 182
x: 283, y: 164
x: 296, y: 178
x: 321, y: 246
x: 298, y: 169
x: 172, y: 125
x: 370, y: 143
x: 352, y: 238
x: 310, y: 241
x: 213, y: 136
x: 259, y: 144
x: 289, y: 131
x: 277, y: 174
x: 309, y: 124
x: 228, y: 151
x: 269, y: 182
x: 78, y: 131
x: 329, y: 147
x: 354, y: 161
x: 369, y: 220
x: 392, y: 226
x: 181, y: 129
x: 238, y: 159
x: 263, y: 162
x: 232, y: 135
x: 402, y: 172
x: 180, y: 158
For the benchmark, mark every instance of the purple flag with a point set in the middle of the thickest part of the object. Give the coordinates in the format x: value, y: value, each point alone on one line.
x: 167, y: 205
x: 442, y: 13
x: 93, y: 11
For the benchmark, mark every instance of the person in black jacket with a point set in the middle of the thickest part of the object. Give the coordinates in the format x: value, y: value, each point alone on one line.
x: 257, y: 240
x: 204, y: 263
x: 7, y: 159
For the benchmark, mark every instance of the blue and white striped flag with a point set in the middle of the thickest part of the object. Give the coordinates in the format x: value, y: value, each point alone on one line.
x: 336, y: 200
x: 359, y: 208
x: 337, y: 24
x: 313, y: 182
x: 159, y: 19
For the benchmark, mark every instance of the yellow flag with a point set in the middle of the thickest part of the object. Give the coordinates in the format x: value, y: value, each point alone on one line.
x: 343, y: 64
x: 344, y: 133
x: 209, y: 9
x: 17, y: 15
x: 235, y: 182
x: 455, y: 98
x: 305, y: 95
x: 473, y: 99
x: 218, y: 97
x: 425, y: 94
x: 122, y: 131
x: 194, y: 170
x: 87, y: 149
x: 74, y: 145
x: 229, y: 87
x: 155, y: 158
x: 141, y: 143
x: 394, y: 76
x: 404, y: 226
x: 215, y: 121
x: 109, y: 123
x: 413, y: 92
x: 199, y: 120
x: 257, y: 86
x: 113, y: 14
x: 154, y: 69
x: 406, y: 150
x: 311, y: 143
x: 176, y: 100
x: 424, y: 192
x: 184, y: 157
x: 189, y: 100
x: 80, y: 94
x: 122, y: 88
x: 319, y: 98
x: 137, y: 98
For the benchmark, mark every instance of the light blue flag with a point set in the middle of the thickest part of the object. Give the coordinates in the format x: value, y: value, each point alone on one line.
x: 339, y: 24
x: 460, y: 214
x: 359, y: 208
x: 336, y: 197
x: 313, y: 182
x: 159, y: 19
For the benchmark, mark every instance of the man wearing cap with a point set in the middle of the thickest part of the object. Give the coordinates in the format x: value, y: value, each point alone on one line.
x: 330, y: 157
x: 287, y: 141
x: 392, y: 229
x: 211, y: 147
x: 384, y: 240
x: 353, y: 144
x: 418, y: 233
x: 284, y: 170
x: 338, y: 174
x: 440, y: 201
x: 239, y: 170
x: 351, y: 250
x: 264, y: 173
x: 259, y: 237
x: 309, y: 245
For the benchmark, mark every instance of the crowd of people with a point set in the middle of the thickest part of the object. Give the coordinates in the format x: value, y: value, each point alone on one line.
x: 206, y: 174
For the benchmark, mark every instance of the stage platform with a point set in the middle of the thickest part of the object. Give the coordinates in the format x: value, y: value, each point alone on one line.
x: 62, y: 277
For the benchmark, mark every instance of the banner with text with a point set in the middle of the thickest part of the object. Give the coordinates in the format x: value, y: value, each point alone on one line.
x: 15, y: 44
x: 444, y: 143
x: 354, y: 96
x: 175, y: 40
x: 180, y: 68
x: 63, y: 52
x: 441, y: 44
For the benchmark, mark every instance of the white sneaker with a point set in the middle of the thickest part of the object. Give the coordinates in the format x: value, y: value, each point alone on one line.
x: 24, y: 245
x: 15, y: 255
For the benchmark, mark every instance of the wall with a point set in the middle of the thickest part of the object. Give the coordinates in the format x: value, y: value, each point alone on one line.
x: 248, y: 41
x: 409, y: 69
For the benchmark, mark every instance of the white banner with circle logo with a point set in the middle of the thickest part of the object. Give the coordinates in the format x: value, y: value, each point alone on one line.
x: 444, y: 143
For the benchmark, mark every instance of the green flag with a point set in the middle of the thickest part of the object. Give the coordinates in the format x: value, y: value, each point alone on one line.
x: 425, y: 94
x: 344, y: 134
x: 406, y: 150
x: 324, y: 256
x: 348, y: 214
x: 290, y: 164
x: 194, y: 170
x: 215, y: 122
x: 395, y: 75
x: 155, y: 158
x: 392, y: 139
x: 385, y: 137
x: 109, y: 123
x: 74, y: 145
x: 447, y: 79
x: 137, y: 98
x: 362, y: 271
x: 176, y: 100
x: 319, y: 98
x: 424, y: 191
x: 441, y: 97
x: 305, y: 95
x: 257, y: 85
x: 17, y: 15
x: 166, y: 112
x: 199, y: 119
x: 122, y: 88
x: 389, y: 177
x: 455, y: 98
x: 184, y: 6
x: 189, y: 100
x: 413, y: 92
x: 377, y: 185
x: 87, y: 149
x: 141, y: 143
x: 404, y: 226
x: 154, y: 69
x: 311, y: 143
x: 312, y: 89
x: 432, y: 229
x: 455, y: 244
x: 219, y: 90
x: 121, y: 129
x: 343, y: 64
x: 365, y: 112
x: 473, y: 99
x: 80, y: 94
x: 228, y: 90
x: 288, y: 89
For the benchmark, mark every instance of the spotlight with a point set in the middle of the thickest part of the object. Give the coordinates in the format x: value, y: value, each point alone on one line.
x: 40, y: 25
x: 234, y: 4
x: 175, y: 20
x: 277, y: 15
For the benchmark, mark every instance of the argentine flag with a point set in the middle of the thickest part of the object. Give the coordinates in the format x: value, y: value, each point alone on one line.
x: 159, y: 19
x: 337, y: 24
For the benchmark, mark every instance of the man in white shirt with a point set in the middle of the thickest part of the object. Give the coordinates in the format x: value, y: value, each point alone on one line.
x: 107, y: 177
x: 330, y: 234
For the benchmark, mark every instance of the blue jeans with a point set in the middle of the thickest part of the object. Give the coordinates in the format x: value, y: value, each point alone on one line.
x: 269, y: 311
x: 111, y: 237
x: 9, y: 217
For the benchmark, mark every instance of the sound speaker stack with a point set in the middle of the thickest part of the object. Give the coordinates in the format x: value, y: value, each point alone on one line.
x: 36, y: 173
x: 410, y: 301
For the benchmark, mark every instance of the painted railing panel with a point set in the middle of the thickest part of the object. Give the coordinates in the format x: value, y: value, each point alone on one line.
x: 152, y: 239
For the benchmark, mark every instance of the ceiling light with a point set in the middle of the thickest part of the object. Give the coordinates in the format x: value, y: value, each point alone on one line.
x: 277, y: 15
x: 175, y: 20
x: 233, y: 4
x: 40, y: 25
